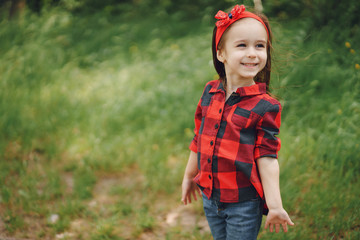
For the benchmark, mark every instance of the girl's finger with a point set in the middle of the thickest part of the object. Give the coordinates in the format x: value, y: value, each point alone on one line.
x: 183, y: 198
x: 271, y: 227
x: 199, y: 192
x: 284, y: 226
x: 290, y: 222
x: 277, y: 228
x: 194, y: 195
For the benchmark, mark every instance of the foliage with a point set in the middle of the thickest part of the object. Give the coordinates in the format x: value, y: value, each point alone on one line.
x: 338, y: 20
x: 186, y: 9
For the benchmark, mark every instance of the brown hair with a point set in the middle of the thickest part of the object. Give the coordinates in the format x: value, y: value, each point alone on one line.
x: 262, y: 76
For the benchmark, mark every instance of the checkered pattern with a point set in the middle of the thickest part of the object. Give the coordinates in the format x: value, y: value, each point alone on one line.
x: 230, y: 136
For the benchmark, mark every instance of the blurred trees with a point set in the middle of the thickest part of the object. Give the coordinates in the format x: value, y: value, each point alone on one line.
x: 341, y: 18
x: 319, y: 11
x: 193, y: 7
x: 16, y: 6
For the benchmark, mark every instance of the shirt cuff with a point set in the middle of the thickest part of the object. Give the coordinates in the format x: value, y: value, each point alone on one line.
x: 193, y: 146
x: 265, y: 153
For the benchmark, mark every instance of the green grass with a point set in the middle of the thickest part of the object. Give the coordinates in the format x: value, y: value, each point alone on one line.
x: 97, y: 111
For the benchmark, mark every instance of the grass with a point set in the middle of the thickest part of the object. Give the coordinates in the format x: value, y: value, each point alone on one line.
x: 97, y: 117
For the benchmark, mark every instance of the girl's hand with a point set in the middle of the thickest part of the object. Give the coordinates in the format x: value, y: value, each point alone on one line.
x: 277, y: 217
x: 189, y: 188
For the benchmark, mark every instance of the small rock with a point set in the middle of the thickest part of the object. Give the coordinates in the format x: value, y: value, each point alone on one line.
x: 53, y: 218
x: 64, y: 235
x: 93, y: 203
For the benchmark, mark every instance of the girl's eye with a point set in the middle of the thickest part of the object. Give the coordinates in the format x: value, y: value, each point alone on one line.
x: 260, y: 45
x: 241, y: 45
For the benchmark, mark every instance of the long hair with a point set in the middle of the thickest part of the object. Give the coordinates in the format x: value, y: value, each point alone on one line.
x: 264, y: 75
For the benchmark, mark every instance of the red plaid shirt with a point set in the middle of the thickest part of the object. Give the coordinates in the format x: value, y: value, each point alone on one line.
x: 230, y: 136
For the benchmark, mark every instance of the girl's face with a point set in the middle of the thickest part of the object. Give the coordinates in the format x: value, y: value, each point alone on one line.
x: 243, y: 50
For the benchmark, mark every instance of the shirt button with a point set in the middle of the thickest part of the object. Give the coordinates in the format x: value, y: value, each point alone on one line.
x: 211, y: 143
x: 216, y: 126
x: 220, y: 110
x: 209, y: 160
x: 210, y: 177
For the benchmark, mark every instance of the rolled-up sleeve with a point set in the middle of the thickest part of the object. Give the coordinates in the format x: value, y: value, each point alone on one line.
x: 267, y: 143
x: 198, y: 118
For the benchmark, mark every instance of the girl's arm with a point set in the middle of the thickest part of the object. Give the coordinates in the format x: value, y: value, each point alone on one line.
x: 269, y: 174
x: 189, y: 187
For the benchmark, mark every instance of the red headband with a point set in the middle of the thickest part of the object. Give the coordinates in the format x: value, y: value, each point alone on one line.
x: 225, y: 20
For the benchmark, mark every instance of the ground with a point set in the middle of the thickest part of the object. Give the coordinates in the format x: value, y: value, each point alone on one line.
x: 178, y: 219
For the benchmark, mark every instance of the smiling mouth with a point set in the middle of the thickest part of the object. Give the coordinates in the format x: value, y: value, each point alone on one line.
x: 249, y: 64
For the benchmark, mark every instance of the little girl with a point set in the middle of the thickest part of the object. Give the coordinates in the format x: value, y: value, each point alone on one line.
x: 233, y: 158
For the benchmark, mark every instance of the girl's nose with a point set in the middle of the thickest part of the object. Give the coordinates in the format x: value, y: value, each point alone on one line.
x: 251, y: 53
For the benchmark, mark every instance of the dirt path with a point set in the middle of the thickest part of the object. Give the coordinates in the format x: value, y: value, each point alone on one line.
x: 179, y: 217
x: 166, y: 213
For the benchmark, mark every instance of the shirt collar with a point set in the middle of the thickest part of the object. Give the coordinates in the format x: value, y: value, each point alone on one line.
x: 217, y: 87
x: 256, y: 89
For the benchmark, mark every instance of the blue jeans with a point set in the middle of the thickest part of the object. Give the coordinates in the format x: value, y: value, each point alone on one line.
x: 234, y: 221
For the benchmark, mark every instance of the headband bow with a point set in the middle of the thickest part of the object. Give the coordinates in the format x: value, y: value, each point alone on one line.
x: 225, y: 20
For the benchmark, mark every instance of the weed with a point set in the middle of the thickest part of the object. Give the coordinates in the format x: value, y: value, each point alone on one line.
x: 84, y: 181
x: 12, y: 221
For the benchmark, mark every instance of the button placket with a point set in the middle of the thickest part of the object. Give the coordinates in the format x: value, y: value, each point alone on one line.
x: 213, y: 139
x: 217, y: 127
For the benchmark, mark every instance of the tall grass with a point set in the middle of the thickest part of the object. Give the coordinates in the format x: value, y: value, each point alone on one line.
x: 102, y: 96
x: 320, y: 136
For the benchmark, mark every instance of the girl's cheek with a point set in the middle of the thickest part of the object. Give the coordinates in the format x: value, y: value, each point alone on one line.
x: 264, y: 55
x: 238, y: 53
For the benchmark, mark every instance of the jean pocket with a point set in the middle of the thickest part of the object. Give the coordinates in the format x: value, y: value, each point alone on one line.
x: 257, y: 199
